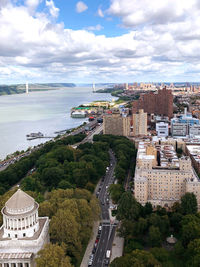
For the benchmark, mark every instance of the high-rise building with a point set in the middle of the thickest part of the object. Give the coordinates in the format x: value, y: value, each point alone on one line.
x: 116, y: 124
x: 140, y: 123
x: 159, y: 103
x: 23, y: 233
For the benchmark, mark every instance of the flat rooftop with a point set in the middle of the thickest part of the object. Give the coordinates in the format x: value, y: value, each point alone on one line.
x: 194, y: 151
x: 166, y: 153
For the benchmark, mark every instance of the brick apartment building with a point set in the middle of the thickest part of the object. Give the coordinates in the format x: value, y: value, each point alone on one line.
x: 159, y: 103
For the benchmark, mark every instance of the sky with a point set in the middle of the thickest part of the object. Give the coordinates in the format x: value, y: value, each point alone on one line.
x: 99, y: 41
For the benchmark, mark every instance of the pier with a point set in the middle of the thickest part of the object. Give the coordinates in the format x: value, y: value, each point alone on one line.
x: 38, y: 137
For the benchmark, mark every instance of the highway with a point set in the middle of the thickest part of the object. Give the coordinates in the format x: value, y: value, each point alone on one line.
x: 108, y: 229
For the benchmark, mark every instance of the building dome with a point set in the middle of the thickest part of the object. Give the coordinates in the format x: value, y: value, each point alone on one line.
x: 20, y: 216
x: 19, y: 203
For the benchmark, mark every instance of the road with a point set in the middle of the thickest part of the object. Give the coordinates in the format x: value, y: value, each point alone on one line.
x: 108, y: 229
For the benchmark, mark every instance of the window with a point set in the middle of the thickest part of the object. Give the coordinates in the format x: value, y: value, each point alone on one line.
x: 8, y: 235
x: 24, y: 234
x: 15, y: 236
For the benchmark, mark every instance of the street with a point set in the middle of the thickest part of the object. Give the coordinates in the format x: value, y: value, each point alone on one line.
x: 108, y: 229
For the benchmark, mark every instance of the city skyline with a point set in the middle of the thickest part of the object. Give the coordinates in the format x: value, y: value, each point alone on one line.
x: 109, y: 41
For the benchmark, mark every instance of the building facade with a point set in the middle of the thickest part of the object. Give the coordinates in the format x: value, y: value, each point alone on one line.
x: 162, y: 129
x: 140, y: 123
x: 161, y: 178
x: 116, y: 124
x: 185, y: 125
x: 23, y: 233
x: 159, y: 103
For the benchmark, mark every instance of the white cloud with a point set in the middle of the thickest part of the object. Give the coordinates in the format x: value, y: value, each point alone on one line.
x: 47, y: 51
x: 134, y: 12
x: 81, y: 7
x: 32, y: 5
x: 100, y: 12
x: 54, y: 11
x: 98, y: 27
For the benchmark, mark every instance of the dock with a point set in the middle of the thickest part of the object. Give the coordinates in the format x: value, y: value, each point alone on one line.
x: 38, y: 137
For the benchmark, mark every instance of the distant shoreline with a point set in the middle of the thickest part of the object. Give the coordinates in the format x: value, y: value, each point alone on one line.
x: 20, y: 88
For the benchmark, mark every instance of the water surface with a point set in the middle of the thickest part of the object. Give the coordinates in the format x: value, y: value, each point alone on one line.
x: 46, y: 112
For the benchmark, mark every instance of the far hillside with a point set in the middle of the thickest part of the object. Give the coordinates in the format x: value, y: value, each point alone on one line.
x: 20, y: 88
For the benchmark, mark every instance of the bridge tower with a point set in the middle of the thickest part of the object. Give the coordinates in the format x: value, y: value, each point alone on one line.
x: 93, y: 87
x: 26, y: 88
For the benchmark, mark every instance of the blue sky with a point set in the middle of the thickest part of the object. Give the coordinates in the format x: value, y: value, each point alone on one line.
x: 99, y: 40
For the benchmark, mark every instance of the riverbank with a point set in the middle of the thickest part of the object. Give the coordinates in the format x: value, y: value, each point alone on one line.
x: 20, y: 88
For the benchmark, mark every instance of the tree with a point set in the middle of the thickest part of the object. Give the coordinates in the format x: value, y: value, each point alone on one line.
x: 120, y: 174
x: 194, y: 253
x: 175, y: 221
x: 160, y: 254
x: 52, y: 256
x: 116, y: 190
x: 148, y: 209
x: 190, y: 231
x: 189, y: 203
x: 65, y: 228
x: 154, y: 236
x: 52, y: 176
x: 128, y: 207
x: 46, y: 209
x: 120, y: 262
x: 138, y: 258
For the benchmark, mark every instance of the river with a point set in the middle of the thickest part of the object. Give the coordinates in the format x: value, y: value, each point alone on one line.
x: 45, y: 112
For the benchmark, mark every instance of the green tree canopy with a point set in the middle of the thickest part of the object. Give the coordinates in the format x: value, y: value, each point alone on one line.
x: 128, y: 207
x: 154, y: 236
x: 52, y: 255
x: 189, y: 203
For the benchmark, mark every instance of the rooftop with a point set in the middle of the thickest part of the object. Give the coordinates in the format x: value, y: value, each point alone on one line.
x: 194, y: 151
x: 20, y: 202
x: 15, y: 256
x: 166, y: 154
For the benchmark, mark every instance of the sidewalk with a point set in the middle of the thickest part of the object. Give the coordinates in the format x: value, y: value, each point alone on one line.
x: 88, y: 251
x: 117, y: 247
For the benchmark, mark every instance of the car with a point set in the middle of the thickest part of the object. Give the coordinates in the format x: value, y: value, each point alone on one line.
x: 98, y: 235
x: 96, y: 241
x: 100, y: 227
x: 106, y: 262
x: 91, y: 257
x: 94, y: 249
x: 90, y: 262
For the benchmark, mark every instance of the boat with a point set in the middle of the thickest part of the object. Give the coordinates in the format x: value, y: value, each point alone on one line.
x: 78, y: 114
x: 32, y: 136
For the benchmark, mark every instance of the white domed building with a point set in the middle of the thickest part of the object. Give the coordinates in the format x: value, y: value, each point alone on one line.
x: 23, y: 233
